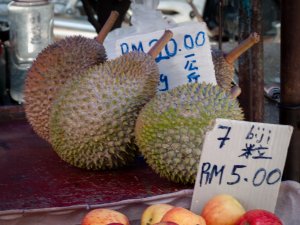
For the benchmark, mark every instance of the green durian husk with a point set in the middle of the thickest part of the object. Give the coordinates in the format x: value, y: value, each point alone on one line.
x: 171, y: 128
x: 92, y: 122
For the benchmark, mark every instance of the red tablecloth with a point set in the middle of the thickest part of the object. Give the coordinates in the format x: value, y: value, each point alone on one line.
x: 33, y: 176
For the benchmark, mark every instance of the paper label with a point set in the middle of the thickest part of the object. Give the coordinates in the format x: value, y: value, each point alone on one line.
x: 243, y: 159
x: 185, y: 59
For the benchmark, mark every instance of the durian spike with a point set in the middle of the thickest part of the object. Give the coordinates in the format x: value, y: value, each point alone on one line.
x: 52, y: 69
x: 160, y: 44
x: 235, y: 91
x: 242, y: 47
x: 107, y: 26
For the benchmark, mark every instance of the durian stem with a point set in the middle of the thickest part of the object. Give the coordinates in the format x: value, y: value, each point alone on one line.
x: 107, y: 26
x: 160, y: 44
x: 199, y: 17
x: 242, y: 47
x: 195, y: 10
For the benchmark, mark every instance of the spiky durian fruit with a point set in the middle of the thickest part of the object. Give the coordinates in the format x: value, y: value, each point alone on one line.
x: 224, y: 71
x: 57, y: 63
x: 92, y: 122
x: 170, y: 129
x: 52, y: 68
x: 224, y: 63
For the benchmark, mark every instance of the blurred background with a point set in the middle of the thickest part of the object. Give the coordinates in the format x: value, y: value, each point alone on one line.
x: 85, y: 17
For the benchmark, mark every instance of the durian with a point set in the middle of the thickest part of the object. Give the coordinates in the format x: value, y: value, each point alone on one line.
x: 224, y: 63
x: 92, y: 122
x: 171, y: 127
x: 57, y: 63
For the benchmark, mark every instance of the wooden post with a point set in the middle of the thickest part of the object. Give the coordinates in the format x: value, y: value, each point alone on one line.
x: 251, y: 77
x: 290, y: 83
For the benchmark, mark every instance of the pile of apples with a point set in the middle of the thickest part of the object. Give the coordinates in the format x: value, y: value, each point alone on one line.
x: 222, y: 209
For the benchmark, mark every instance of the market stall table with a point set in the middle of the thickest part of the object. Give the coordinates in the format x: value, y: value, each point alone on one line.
x: 34, y: 177
x: 37, y: 187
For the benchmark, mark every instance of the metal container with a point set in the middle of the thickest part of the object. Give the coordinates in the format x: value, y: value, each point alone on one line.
x: 2, y: 73
x: 31, y: 30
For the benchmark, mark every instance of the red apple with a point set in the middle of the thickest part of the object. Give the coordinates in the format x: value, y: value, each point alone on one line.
x: 222, y: 209
x: 104, y: 217
x: 183, y: 216
x: 166, y: 223
x: 259, y: 217
x: 115, y: 224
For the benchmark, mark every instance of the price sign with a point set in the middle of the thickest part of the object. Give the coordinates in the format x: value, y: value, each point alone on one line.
x: 185, y: 59
x: 243, y: 159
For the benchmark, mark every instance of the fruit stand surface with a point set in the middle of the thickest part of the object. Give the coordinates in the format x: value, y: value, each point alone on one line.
x: 33, y: 176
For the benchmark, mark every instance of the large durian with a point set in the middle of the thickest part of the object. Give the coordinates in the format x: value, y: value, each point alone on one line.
x: 57, y: 63
x: 92, y: 122
x: 170, y: 129
x: 224, y: 63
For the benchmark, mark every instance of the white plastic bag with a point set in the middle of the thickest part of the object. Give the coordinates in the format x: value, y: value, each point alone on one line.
x: 145, y: 19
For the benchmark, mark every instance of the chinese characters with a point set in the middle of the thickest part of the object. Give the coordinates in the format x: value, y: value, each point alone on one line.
x: 256, y: 145
x: 258, y: 148
x: 190, y: 66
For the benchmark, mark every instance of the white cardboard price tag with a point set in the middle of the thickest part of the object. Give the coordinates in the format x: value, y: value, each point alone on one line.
x: 243, y: 159
x: 185, y: 59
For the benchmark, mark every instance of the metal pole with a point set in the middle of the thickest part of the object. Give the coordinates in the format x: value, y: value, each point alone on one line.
x: 221, y: 8
x: 290, y: 83
x: 251, y: 77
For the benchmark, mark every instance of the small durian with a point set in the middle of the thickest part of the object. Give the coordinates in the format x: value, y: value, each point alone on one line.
x: 53, y: 67
x: 92, y: 122
x: 171, y: 127
x: 224, y: 63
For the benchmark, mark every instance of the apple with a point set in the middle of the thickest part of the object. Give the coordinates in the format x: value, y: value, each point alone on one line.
x: 258, y: 217
x: 104, y: 217
x: 222, y: 209
x: 153, y: 213
x: 166, y: 223
x: 115, y: 224
x: 183, y: 216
